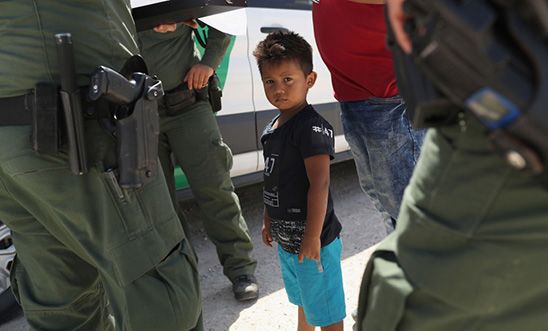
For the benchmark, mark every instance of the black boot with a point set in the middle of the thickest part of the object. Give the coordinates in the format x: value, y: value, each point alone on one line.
x: 245, y: 288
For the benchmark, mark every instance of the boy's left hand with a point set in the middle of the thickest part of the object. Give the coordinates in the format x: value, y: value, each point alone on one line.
x: 310, y: 248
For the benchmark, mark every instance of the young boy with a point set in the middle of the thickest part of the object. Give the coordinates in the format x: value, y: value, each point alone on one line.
x: 298, y: 214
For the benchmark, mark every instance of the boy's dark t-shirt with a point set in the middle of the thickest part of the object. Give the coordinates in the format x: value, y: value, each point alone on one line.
x: 285, y: 181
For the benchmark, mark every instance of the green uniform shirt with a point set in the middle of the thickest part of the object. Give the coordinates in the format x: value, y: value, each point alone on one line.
x: 28, y: 53
x: 170, y: 55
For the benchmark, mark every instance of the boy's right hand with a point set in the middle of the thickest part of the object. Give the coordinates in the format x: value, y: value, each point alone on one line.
x: 267, y: 237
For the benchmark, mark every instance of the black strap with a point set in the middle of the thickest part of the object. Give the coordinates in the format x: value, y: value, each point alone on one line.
x: 199, y: 38
x: 16, y: 110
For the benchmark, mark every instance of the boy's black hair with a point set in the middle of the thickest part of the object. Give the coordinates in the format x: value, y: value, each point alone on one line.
x: 282, y: 46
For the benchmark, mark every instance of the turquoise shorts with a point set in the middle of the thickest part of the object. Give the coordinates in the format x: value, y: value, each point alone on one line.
x: 316, y: 286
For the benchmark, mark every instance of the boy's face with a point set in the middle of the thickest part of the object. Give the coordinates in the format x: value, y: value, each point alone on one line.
x: 286, y: 85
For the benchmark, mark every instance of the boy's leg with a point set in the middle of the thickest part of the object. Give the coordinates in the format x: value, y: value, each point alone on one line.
x: 303, y: 324
x: 321, y: 289
x: 339, y: 326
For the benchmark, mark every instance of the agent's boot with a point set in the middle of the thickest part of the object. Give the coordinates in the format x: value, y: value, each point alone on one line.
x: 245, y: 288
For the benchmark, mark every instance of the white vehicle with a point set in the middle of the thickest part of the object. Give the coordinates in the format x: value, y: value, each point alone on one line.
x: 246, y: 111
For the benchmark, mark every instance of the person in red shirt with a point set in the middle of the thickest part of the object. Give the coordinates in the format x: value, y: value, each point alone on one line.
x: 351, y: 37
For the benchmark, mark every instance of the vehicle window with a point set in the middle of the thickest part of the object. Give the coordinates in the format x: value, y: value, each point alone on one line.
x: 281, y: 4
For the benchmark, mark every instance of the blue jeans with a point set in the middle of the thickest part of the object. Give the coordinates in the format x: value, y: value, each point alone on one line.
x: 385, y: 149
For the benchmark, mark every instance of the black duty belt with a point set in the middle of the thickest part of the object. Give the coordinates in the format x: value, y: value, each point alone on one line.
x: 16, y: 110
x: 177, y: 101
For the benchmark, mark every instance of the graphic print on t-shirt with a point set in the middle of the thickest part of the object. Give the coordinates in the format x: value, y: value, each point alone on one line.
x: 269, y: 163
x: 271, y: 199
x: 289, y: 234
x: 322, y: 130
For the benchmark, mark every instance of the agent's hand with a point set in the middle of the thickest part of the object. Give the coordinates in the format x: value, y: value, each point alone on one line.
x: 267, y: 237
x: 310, y: 248
x: 198, y: 76
x: 170, y: 27
x: 397, y: 18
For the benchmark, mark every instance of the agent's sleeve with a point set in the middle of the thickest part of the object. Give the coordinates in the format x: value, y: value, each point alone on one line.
x: 217, y: 43
x: 315, y: 136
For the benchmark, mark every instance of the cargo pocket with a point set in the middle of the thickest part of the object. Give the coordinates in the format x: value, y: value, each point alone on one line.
x: 143, y: 231
x: 383, y: 295
x: 218, y: 143
x: 179, y: 273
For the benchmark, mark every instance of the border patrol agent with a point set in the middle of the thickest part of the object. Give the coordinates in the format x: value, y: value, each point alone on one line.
x: 469, y: 250
x: 189, y: 132
x: 85, y: 247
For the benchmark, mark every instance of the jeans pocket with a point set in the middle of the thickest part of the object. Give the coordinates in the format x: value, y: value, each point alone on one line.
x: 387, y: 290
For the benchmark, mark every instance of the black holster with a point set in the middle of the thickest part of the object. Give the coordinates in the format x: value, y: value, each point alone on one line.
x: 178, y: 99
x: 214, y: 92
x: 137, y: 122
x: 138, y: 144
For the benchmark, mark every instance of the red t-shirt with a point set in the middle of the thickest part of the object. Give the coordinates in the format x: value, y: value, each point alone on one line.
x: 351, y: 38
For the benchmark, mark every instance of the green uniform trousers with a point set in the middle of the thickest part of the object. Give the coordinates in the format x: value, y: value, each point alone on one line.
x: 194, y: 139
x: 86, y: 248
x: 470, y: 249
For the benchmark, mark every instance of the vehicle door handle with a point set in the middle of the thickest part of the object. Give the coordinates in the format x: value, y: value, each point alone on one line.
x: 270, y: 29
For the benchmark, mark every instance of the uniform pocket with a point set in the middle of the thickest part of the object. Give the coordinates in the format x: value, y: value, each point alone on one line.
x: 225, y: 152
x: 383, y: 295
x: 179, y: 273
x: 132, y: 213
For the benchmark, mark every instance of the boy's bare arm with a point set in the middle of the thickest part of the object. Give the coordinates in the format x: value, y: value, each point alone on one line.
x: 265, y: 232
x: 317, y: 171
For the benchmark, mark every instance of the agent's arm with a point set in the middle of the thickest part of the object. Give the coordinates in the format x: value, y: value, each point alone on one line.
x: 217, y: 43
x: 317, y: 171
x: 170, y: 27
